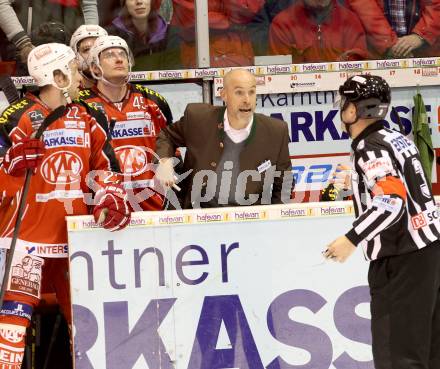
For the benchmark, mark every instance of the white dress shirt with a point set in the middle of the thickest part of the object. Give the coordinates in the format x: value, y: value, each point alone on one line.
x: 237, y: 135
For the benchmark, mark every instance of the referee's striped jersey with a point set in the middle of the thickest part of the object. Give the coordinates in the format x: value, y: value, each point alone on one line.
x: 394, y: 205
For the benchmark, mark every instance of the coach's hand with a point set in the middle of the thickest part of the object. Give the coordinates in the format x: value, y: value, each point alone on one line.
x: 165, y: 174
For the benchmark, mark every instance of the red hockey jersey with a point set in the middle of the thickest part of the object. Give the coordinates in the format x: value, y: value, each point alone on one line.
x: 75, y: 145
x: 134, y: 125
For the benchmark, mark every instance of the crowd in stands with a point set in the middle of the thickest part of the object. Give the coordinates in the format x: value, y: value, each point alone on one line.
x: 161, y: 33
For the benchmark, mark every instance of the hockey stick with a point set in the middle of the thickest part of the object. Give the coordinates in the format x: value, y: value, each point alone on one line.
x: 399, y: 121
x: 8, y: 87
x: 55, y: 329
x: 52, y: 117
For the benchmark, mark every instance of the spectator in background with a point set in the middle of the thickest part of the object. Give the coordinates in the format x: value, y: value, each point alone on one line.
x: 166, y: 10
x: 399, y: 29
x: 81, y: 42
x: 19, y: 18
x: 144, y: 30
x: 229, y: 42
x: 259, y: 26
x: 49, y: 32
x: 108, y: 10
x: 318, y: 31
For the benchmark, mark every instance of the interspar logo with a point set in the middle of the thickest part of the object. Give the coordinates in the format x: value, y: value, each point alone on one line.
x: 62, y: 167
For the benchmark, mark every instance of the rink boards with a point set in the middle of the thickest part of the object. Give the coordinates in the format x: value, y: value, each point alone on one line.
x: 221, y: 288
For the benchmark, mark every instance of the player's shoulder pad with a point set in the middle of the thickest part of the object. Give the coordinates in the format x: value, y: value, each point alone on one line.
x: 148, y: 92
x: 86, y: 94
x: 12, y: 114
x: 158, y: 99
x: 99, y: 116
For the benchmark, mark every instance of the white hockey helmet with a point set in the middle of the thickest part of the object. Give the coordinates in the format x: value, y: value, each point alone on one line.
x: 82, y: 32
x: 86, y: 31
x: 45, y: 59
x: 106, y: 42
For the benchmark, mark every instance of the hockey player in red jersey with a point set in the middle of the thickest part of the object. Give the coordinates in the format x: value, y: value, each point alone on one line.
x: 81, y: 42
x: 71, y: 147
x: 136, y: 115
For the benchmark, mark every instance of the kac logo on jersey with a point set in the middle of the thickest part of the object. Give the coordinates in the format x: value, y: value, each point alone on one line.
x: 62, y: 167
x: 12, y: 333
x: 133, y: 159
x: 64, y: 137
x: 133, y: 128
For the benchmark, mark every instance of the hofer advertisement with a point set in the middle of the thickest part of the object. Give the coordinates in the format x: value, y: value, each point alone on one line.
x: 222, y: 288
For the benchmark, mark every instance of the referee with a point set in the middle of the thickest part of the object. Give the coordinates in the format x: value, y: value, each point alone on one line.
x: 397, y: 226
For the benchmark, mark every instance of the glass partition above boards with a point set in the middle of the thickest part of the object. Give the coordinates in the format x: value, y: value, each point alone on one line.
x: 332, y: 30
x: 162, y: 33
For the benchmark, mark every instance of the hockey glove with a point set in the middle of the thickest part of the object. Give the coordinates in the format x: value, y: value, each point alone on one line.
x: 111, y: 208
x: 25, y: 154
